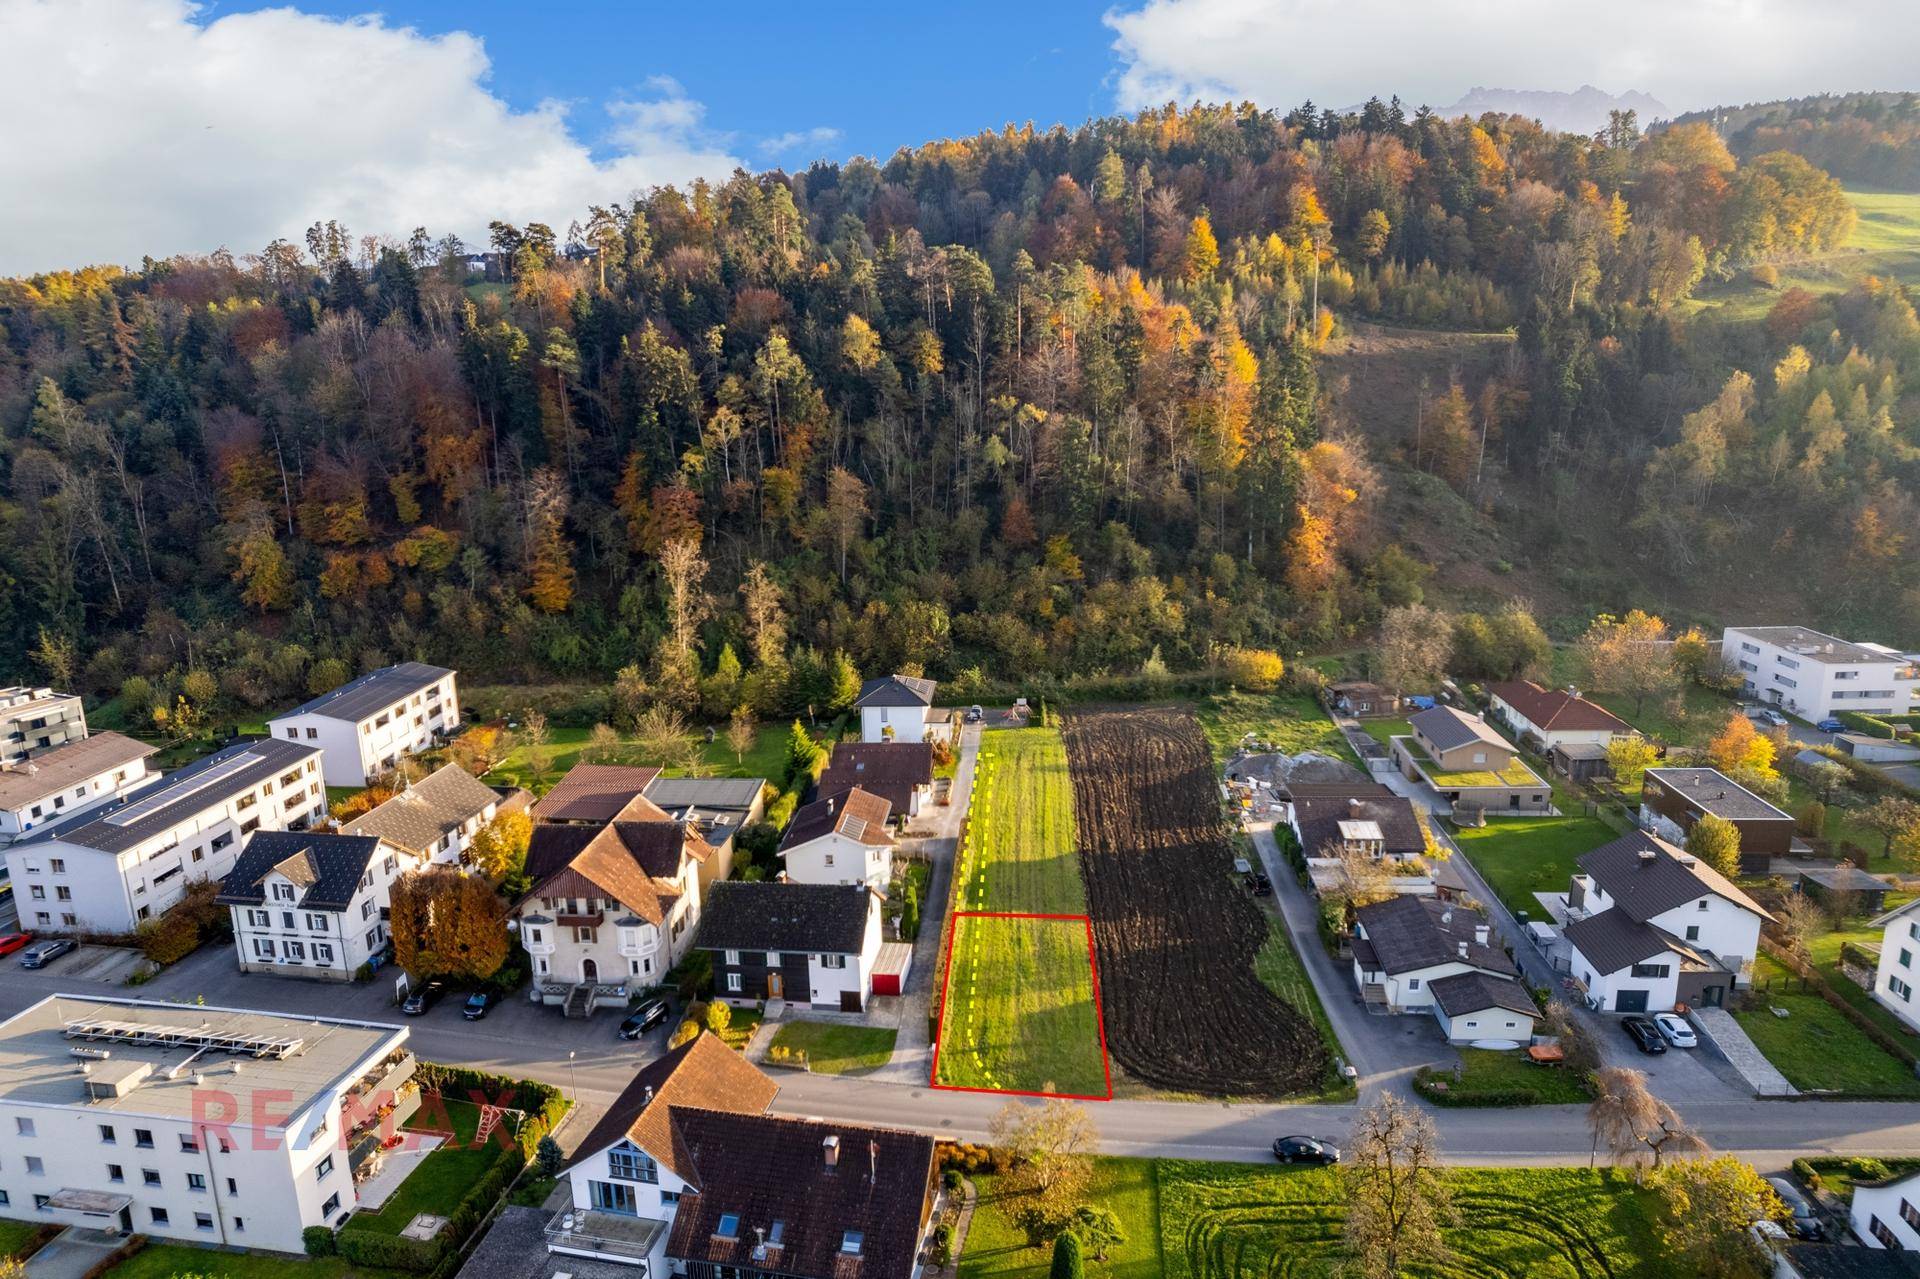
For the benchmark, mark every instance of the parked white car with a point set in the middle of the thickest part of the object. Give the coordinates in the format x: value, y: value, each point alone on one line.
x: 1674, y: 1029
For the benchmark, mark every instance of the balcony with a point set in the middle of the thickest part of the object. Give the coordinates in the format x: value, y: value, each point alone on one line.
x: 605, y: 1234
x: 592, y: 919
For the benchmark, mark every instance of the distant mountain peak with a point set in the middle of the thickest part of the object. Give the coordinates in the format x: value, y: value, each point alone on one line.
x: 1581, y: 111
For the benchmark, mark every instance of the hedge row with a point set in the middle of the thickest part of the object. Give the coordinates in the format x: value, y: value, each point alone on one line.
x: 543, y: 1103
x: 1817, y: 982
x: 369, y: 1249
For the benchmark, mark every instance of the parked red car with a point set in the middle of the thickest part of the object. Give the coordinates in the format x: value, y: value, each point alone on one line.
x: 10, y: 942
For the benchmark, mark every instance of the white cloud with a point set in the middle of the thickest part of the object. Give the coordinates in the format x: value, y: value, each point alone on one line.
x: 794, y: 140
x: 1687, y: 53
x: 138, y: 127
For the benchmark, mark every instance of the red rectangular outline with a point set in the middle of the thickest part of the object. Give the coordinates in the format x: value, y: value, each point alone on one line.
x: 1099, y: 1015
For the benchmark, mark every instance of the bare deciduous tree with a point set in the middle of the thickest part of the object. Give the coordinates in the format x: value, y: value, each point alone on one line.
x: 1049, y: 1148
x: 1397, y: 1201
x: 1415, y: 643
x: 1636, y: 1126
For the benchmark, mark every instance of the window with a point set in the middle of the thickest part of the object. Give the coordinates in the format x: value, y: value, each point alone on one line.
x: 221, y: 841
x: 630, y: 1164
x: 149, y: 1176
x: 188, y: 1146
x: 833, y: 961
x: 23, y: 1126
x: 106, y: 1134
x: 58, y: 865
x: 233, y: 1187
x: 1413, y: 983
x: 35, y: 1168
x: 311, y: 734
x: 240, y: 1225
x: 1651, y: 970
x: 733, y: 982
x: 38, y: 893
x: 1910, y: 1214
x: 116, y: 1173
x: 331, y: 1206
x: 293, y: 732
x: 322, y: 953
x: 850, y: 1242
x: 317, y: 923
x: 828, y: 859
x: 1693, y: 932
x: 203, y: 1221
x: 1906, y: 958
x: 613, y: 1197
x: 296, y: 951
x: 263, y: 947
x: 62, y: 893
x: 40, y: 1202
x: 728, y: 1226
x: 1702, y: 904
x: 1900, y: 988
x: 730, y: 957
x: 197, y: 1182
x: 321, y: 1169
x: 1875, y: 1227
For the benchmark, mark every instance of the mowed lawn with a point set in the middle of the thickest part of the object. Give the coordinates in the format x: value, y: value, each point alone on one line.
x: 173, y: 1260
x: 1814, y: 1046
x: 1521, y: 856
x: 1189, y: 1220
x: 1021, y: 853
x: 766, y: 758
x: 1019, y: 1014
x: 442, y: 1178
x: 837, y: 1050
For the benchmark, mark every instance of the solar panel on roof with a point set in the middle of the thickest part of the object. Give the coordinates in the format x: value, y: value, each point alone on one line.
x: 856, y: 827
x: 175, y: 794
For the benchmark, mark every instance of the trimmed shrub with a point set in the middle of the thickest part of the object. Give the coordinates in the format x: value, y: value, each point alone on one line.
x: 318, y: 1241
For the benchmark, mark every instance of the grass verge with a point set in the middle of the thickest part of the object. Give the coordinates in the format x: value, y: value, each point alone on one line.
x: 1281, y: 970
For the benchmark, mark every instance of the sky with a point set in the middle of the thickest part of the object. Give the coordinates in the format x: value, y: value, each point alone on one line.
x: 136, y: 127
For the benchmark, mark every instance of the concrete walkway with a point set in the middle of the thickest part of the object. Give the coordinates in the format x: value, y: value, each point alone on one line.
x: 1719, y: 1028
x: 72, y: 1253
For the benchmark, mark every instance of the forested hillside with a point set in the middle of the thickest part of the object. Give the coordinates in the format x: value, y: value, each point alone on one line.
x: 1868, y: 138
x: 1019, y: 405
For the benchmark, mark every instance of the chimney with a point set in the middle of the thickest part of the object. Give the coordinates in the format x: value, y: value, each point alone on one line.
x: 1446, y: 917
x: 646, y: 1098
x: 1481, y: 933
x: 1353, y: 805
x: 1463, y: 950
x: 1686, y: 861
x: 1648, y: 857
x: 830, y: 1151
x: 830, y: 800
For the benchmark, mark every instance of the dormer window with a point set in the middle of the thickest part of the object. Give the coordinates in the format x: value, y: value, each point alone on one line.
x: 728, y: 1227
x: 629, y: 1163
x: 850, y: 1242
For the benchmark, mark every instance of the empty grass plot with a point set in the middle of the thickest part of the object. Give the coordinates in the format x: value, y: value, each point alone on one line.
x: 1021, y: 847
x: 1022, y: 1011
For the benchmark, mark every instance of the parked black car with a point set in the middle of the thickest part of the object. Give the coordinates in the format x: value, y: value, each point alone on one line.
x: 1645, y: 1035
x: 1305, y: 1150
x: 1805, y: 1223
x: 1259, y: 885
x: 647, y: 1014
x: 423, y: 997
x: 477, y: 1006
x: 42, y: 953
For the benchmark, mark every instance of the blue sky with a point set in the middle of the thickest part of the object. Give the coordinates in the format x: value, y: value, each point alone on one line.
x: 235, y: 122
x: 882, y: 75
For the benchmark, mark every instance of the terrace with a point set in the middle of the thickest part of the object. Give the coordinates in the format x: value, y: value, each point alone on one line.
x: 1514, y: 773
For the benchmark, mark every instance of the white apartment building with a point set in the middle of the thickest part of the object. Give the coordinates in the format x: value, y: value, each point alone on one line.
x: 435, y: 817
x: 1899, y: 968
x: 307, y: 905
x: 129, y: 859
x: 38, y: 719
x: 1816, y: 676
x: 63, y: 782
x: 208, y: 1125
x: 368, y: 725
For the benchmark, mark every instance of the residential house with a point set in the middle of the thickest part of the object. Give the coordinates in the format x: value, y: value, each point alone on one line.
x: 841, y: 839
x: 217, y: 1126
x: 1544, y: 718
x: 1899, y: 968
x: 311, y: 905
x: 1468, y: 764
x: 1362, y: 699
x: 1673, y: 799
x: 593, y: 794
x: 1813, y: 675
x: 1405, y: 947
x: 714, y: 808
x: 612, y: 908
x: 1886, y: 1214
x: 805, y: 943
x: 894, y: 708
x: 435, y: 817
x: 687, y: 1174
x: 368, y: 725
x: 899, y: 772
x: 71, y: 778
x: 1651, y: 926
x: 38, y: 719
x: 132, y: 857
x: 1367, y: 816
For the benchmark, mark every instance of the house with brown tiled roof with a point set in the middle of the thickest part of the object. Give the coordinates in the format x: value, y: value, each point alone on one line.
x: 436, y: 817
x: 593, y: 793
x: 1549, y: 717
x: 688, y: 1174
x: 841, y: 839
x: 612, y: 907
x: 902, y: 772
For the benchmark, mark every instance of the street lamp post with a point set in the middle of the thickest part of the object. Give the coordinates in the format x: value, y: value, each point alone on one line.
x: 574, y: 1076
